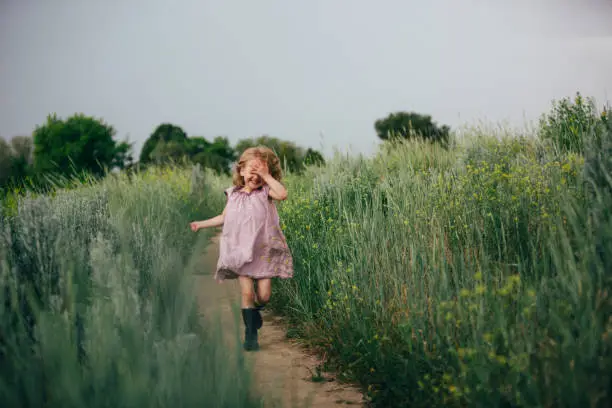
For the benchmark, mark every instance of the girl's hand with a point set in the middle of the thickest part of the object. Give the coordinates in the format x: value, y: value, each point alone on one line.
x: 261, y: 169
x: 195, y: 226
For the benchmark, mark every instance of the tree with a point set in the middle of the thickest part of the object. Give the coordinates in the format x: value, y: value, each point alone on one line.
x: 79, y: 143
x: 16, y: 158
x: 411, y: 125
x: 23, y: 148
x: 290, y: 155
x: 5, y: 161
x: 22, y: 151
x: 313, y: 158
x: 166, y: 132
x: 171, y: 151
x: 217, y: 155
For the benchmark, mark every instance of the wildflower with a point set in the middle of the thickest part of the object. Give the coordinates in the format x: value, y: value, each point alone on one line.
x: 514, y: 279
x: 501, y: 360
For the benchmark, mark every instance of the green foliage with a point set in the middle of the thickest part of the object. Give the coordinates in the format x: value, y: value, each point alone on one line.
x: 411, y: 125
x: 313, y: 158
x: 217, y: 155
x: 292, y: 157
x: 78, y: 144
x: 572, y: 123
x: 15, y: 160
x: 170, y: 144
x: 97, y: 305
x: 468, y: 278
x: 167, y: 133
x: 169, y: 152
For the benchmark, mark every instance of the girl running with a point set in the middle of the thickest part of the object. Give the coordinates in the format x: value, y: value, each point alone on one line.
x: 252, y: 247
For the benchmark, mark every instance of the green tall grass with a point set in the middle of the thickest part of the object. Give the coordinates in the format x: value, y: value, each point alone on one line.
x: 477, y: 276
x: 96, y: 300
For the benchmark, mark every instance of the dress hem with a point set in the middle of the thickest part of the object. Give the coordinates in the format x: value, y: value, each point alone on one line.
x: 229, y: 275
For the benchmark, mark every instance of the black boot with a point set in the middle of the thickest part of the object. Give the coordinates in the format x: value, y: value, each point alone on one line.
x: 258, y: 308
x: 249, y: 316
x: 258, y: 318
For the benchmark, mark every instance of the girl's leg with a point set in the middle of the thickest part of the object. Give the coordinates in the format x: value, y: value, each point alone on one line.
x: 250, y: 315
x: 247, y: 292
x: 264, y: 291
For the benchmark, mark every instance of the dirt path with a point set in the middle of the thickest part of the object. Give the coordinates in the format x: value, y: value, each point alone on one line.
x: 283, y: 370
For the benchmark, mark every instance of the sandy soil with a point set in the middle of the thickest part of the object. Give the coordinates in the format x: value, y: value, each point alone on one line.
x: 283, y: 370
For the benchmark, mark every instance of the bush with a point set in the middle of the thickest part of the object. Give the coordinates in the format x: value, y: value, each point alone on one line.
x: 572, y: 123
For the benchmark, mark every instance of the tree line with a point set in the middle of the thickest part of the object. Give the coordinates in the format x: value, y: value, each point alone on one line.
x: 82, y: 144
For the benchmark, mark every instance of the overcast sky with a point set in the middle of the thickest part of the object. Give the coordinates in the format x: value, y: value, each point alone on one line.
x: 296, y: 69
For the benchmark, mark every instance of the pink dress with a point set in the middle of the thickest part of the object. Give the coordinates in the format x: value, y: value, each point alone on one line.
x: 252, y: 243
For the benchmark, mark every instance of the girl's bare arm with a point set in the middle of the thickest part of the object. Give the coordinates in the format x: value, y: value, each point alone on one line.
x: 277, y: 190
x: 209, y: 223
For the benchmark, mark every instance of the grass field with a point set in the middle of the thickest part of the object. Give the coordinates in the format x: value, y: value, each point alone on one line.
x: 96, y: 302
x: 473, y: 277
x: 476, y: 276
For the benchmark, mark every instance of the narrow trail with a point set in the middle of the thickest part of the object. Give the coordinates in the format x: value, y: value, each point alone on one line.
x: 283, y: 371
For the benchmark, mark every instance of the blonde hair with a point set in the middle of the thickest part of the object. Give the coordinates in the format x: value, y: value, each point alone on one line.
x: 262, y: 153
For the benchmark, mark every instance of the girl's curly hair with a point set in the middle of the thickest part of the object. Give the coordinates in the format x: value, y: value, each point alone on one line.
x: 260, y: 152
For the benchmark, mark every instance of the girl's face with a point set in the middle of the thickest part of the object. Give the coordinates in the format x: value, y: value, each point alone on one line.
x: 251, y: 180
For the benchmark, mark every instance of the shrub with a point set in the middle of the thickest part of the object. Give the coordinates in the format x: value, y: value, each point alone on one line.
x: 572, y: 123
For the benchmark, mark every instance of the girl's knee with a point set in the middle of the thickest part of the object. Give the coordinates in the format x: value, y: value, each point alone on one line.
x: 248, y: 296
x: 263, y: 297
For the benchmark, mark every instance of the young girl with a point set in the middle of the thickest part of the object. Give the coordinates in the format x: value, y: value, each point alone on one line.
x: 252, y: 247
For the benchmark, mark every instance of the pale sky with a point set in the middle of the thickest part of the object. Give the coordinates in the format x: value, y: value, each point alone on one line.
x: 314, y: 72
